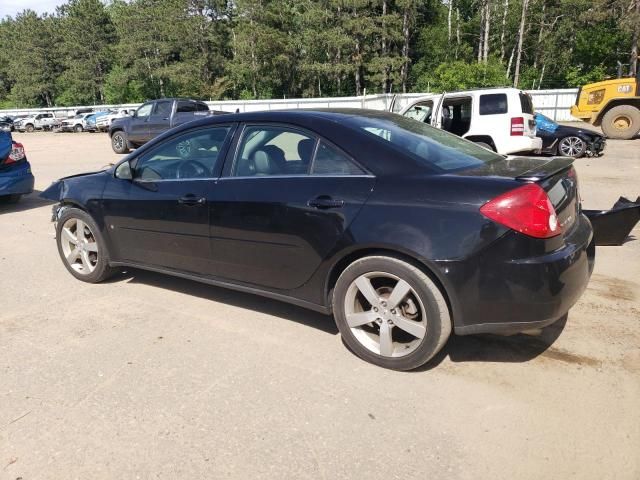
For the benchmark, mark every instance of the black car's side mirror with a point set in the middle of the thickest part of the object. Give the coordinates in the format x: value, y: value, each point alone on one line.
x: 124, y: 172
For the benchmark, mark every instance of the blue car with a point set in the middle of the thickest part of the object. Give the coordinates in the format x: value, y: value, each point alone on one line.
x: 16, y: 178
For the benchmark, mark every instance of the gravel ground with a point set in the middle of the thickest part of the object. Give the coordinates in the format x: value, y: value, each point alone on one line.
x: 148, y: 376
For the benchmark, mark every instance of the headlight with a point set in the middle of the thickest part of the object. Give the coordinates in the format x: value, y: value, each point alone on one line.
x: 595, y: 97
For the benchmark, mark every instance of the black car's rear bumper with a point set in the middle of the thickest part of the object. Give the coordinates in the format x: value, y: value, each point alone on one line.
x: 499, y: 292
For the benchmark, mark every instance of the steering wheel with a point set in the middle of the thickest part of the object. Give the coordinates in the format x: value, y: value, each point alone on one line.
x: 191, y: 169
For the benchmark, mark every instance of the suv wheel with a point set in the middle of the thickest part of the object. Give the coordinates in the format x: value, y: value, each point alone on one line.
x: 78, y: 128
x: 390, y: 313
x: 29, y: 128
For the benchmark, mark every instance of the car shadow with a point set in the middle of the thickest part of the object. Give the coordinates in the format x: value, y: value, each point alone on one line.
x: 248, y: 301
x: 470, y: 348
x: 27, y: 202
x: 508, y: 349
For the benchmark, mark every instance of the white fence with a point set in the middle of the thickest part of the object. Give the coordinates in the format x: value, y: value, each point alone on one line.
x: 553, y: 103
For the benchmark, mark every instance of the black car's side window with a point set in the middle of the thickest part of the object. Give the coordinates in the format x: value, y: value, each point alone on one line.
x: 191, y: 155
x: 271, y: 150
x: 331, y: 161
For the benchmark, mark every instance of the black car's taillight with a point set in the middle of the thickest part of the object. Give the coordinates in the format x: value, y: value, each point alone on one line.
x: 526, y: 209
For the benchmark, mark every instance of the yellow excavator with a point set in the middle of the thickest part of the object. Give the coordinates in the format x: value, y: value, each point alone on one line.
x: 613, y: 105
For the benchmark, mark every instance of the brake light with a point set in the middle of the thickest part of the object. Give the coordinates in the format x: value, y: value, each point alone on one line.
x: 17, y: 153
x: 517, y: 126
x: 526, y: 209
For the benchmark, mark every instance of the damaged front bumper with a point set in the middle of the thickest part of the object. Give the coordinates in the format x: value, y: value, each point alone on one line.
x: 612, y: 227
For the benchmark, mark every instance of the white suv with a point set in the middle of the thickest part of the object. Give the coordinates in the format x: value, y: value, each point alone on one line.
x: 500, y: 119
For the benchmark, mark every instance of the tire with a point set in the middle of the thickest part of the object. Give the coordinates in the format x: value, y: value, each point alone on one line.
x: 423, y: 300
x: 119, y: 142
x: 29, y: 128
x: 485, y: 145
x: 78, y: 128
x: 572, y: 146
x: 621, y: 122
x: 88, y: 265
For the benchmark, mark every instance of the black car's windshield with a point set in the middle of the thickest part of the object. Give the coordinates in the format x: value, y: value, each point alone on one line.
x: 432, y: 147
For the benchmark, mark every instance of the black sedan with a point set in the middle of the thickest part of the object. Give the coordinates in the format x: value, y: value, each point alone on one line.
x: 568, y: 141
x: 402, y: 231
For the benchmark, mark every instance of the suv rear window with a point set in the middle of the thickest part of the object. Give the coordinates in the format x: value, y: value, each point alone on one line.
x: 493, y: 104
x: 526, y: 103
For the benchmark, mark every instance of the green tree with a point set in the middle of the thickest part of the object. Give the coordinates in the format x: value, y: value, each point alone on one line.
x: 88, y: 37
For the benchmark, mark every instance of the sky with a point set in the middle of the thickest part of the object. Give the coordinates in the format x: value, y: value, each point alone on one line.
x: 11, y: 7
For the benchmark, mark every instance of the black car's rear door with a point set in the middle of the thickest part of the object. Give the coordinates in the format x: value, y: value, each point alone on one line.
x: 282, y: 206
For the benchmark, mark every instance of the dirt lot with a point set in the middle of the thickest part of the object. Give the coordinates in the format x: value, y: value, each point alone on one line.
x: 154, y: 377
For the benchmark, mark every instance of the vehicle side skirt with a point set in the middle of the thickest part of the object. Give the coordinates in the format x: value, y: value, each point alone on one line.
x: 225, y: 284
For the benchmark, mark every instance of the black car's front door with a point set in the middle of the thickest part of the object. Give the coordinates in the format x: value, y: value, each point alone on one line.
x: 161, y: 217
x: 282, y: 207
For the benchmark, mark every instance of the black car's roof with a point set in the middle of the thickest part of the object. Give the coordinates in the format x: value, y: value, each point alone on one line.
x: 296, y: 114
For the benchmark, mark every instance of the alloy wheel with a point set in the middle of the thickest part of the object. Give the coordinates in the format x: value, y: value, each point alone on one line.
x: 571, y: 146
x: 79, y: 246
x: 118, y: 141
x: 385, y: 314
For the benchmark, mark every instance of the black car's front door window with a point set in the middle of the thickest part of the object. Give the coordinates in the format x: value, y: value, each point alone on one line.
x: 192, y: 155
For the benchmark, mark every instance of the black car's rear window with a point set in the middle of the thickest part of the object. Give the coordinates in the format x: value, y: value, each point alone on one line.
x: 432, y: 147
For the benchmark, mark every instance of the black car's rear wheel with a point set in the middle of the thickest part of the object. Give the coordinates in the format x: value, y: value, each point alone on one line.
x: 572, y: 146
x: 81, y: 246
x: 390, y: 313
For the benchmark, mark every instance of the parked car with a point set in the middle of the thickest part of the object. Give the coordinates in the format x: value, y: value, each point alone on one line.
x: 151, y: 119
x: 38, y: 121
x: 104, y: 122
x: 402, y: 231
x: 500, y: 119
x: 568, y: 141
x: 90, y: 121
x: 16, y: 178
x: 75, y: 124
x: 6, y: 122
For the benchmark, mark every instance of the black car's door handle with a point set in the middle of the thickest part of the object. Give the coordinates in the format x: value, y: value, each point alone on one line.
x: 324, y: 201
x: 191, y: 199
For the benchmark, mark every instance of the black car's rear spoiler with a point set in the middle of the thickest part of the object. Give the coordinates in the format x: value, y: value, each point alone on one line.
x: 547, y: 169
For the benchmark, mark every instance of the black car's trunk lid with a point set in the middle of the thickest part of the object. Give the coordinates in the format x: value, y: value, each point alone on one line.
x: 555, y: 175
x: 558, y: 178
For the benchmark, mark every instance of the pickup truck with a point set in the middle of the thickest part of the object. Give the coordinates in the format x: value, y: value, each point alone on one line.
x: 39, y: 121
x: 104, y: 122
x: 153, y: 118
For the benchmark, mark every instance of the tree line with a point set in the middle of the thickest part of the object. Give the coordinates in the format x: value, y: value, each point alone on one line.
x: 89, y: 52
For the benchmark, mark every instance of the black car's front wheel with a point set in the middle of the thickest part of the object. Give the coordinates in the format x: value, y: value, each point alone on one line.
x: 390, y: 313
x: 82, y: 247
x: 572, y: 147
